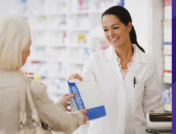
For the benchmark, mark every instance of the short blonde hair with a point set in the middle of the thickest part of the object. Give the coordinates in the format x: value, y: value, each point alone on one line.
x: 14, y: 37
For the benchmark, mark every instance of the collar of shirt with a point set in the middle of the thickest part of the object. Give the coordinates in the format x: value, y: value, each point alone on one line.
x: 129, y: 64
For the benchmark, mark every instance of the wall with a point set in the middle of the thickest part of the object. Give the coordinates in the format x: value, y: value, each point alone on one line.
x: 148, y: 18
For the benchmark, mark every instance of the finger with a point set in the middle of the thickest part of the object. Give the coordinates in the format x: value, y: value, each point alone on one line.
x: 71, y: 96
x: 87, y: 118
x: 84, y: 122
x: 71, y: 77
x: 84, y: 111
x: 79, y: 77
x: 65, y: 95
x: 75, y: 76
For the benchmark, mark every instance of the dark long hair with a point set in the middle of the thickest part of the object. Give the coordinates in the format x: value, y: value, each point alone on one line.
x: 124, y: 16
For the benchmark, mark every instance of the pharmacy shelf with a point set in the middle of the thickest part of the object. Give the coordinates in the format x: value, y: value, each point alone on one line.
x: 56, y: 76
x: 51, y: 14
x: 80, y: 46
x: 77, y: 62
x: 168, y: 107
x: 79, y: 12
x: 39, y: 45
x: 47, y: 60
x: 167, y: 80
x: 39, y: 14
x: 167, y: 51
x: 79, y: 29
x: 39, y: 30
x: 57, y: 29
x: 40, y: 75
x: 58, y: 13
x: 55, y: 45
x: 96, y: 11
x: 97, y: 36
x: 40, y: 25
x: 48, y: 29
x: 86, y: 12
x: 56, y: 60
x: 36, y: 59
x: 47, y: 45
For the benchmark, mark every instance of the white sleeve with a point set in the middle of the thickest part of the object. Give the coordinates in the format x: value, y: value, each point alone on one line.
x: 87, y: 71
x: 152, y: 93
x: 87, y: 68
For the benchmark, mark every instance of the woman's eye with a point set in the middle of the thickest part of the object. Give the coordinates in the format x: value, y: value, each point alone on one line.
x: 115, y: 27
x: 105, y: 30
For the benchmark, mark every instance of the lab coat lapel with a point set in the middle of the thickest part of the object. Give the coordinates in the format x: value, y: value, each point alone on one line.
x: 112, y: 61
x: 139, y: 58
x: 114, y: 65
x: 134, y: 67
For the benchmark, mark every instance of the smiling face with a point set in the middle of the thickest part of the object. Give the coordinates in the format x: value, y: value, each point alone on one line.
x: 116, y: 32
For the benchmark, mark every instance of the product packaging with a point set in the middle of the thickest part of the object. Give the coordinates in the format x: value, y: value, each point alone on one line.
x: 88, y: 97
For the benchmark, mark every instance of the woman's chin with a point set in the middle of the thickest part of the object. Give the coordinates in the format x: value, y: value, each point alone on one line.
x: 115, y: 45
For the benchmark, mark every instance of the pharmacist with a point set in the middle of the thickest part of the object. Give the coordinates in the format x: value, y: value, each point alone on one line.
x: 126, y: 76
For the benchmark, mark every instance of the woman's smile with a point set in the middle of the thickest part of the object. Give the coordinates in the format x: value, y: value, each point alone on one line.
x: 115, y: 40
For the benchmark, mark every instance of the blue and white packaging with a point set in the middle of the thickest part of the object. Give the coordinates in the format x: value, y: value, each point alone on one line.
x: 88, y: 97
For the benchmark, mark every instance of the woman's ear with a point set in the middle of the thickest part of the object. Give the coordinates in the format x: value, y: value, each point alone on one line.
x: 129, y: 26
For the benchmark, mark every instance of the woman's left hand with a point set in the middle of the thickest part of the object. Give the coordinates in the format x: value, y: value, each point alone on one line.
x: 64, y: 100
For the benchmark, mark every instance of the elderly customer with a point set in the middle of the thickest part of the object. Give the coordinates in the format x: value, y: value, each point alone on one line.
x: 15, y: 42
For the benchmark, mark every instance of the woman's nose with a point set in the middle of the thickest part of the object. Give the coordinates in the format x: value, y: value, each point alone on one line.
x: 111, y: 33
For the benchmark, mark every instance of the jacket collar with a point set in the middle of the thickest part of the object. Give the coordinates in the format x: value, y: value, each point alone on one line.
x: 140, y: 57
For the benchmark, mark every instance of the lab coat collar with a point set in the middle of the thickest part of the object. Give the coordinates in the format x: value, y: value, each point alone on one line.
x: 108, y: 55
x: 140, y: 57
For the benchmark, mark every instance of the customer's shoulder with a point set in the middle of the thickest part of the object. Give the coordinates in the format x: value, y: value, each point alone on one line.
x: 37, y: 87
x: 11, y: 78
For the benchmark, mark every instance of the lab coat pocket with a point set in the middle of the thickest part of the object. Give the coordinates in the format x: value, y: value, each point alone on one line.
x: 137, y: 94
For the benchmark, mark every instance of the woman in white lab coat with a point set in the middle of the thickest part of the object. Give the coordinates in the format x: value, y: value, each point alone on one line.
x: 126, y: 100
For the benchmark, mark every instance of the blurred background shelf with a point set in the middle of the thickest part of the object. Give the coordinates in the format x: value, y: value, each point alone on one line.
x: 167, y: 51
x: 167, y: 79
x: 167, y: 107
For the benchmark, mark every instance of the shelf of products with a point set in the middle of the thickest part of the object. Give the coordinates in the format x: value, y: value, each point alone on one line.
x: 167, y: 51
x: 168, y: 99
x: 167, y: 107
x: 64, y: 34
x: 168, y: 79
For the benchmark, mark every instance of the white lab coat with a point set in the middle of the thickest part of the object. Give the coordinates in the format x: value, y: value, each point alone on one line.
x: 125, y: 105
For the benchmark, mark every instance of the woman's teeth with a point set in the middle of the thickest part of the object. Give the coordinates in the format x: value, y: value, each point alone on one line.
x: 115, y: 39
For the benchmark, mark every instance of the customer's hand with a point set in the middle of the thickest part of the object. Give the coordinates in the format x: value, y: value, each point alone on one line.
x: 83, y: 111
x: 64, y: 100
x: 75, y: 76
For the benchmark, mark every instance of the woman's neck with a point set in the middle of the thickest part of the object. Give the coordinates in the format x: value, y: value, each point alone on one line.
x: 125, y: 52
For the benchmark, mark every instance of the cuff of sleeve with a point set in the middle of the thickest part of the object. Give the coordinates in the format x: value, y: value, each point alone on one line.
x: 81, y: 117
x: 61, y: 106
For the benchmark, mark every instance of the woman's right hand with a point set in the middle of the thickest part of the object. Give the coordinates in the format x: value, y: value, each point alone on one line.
x: 75, y: 76
x: 83, y: 111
